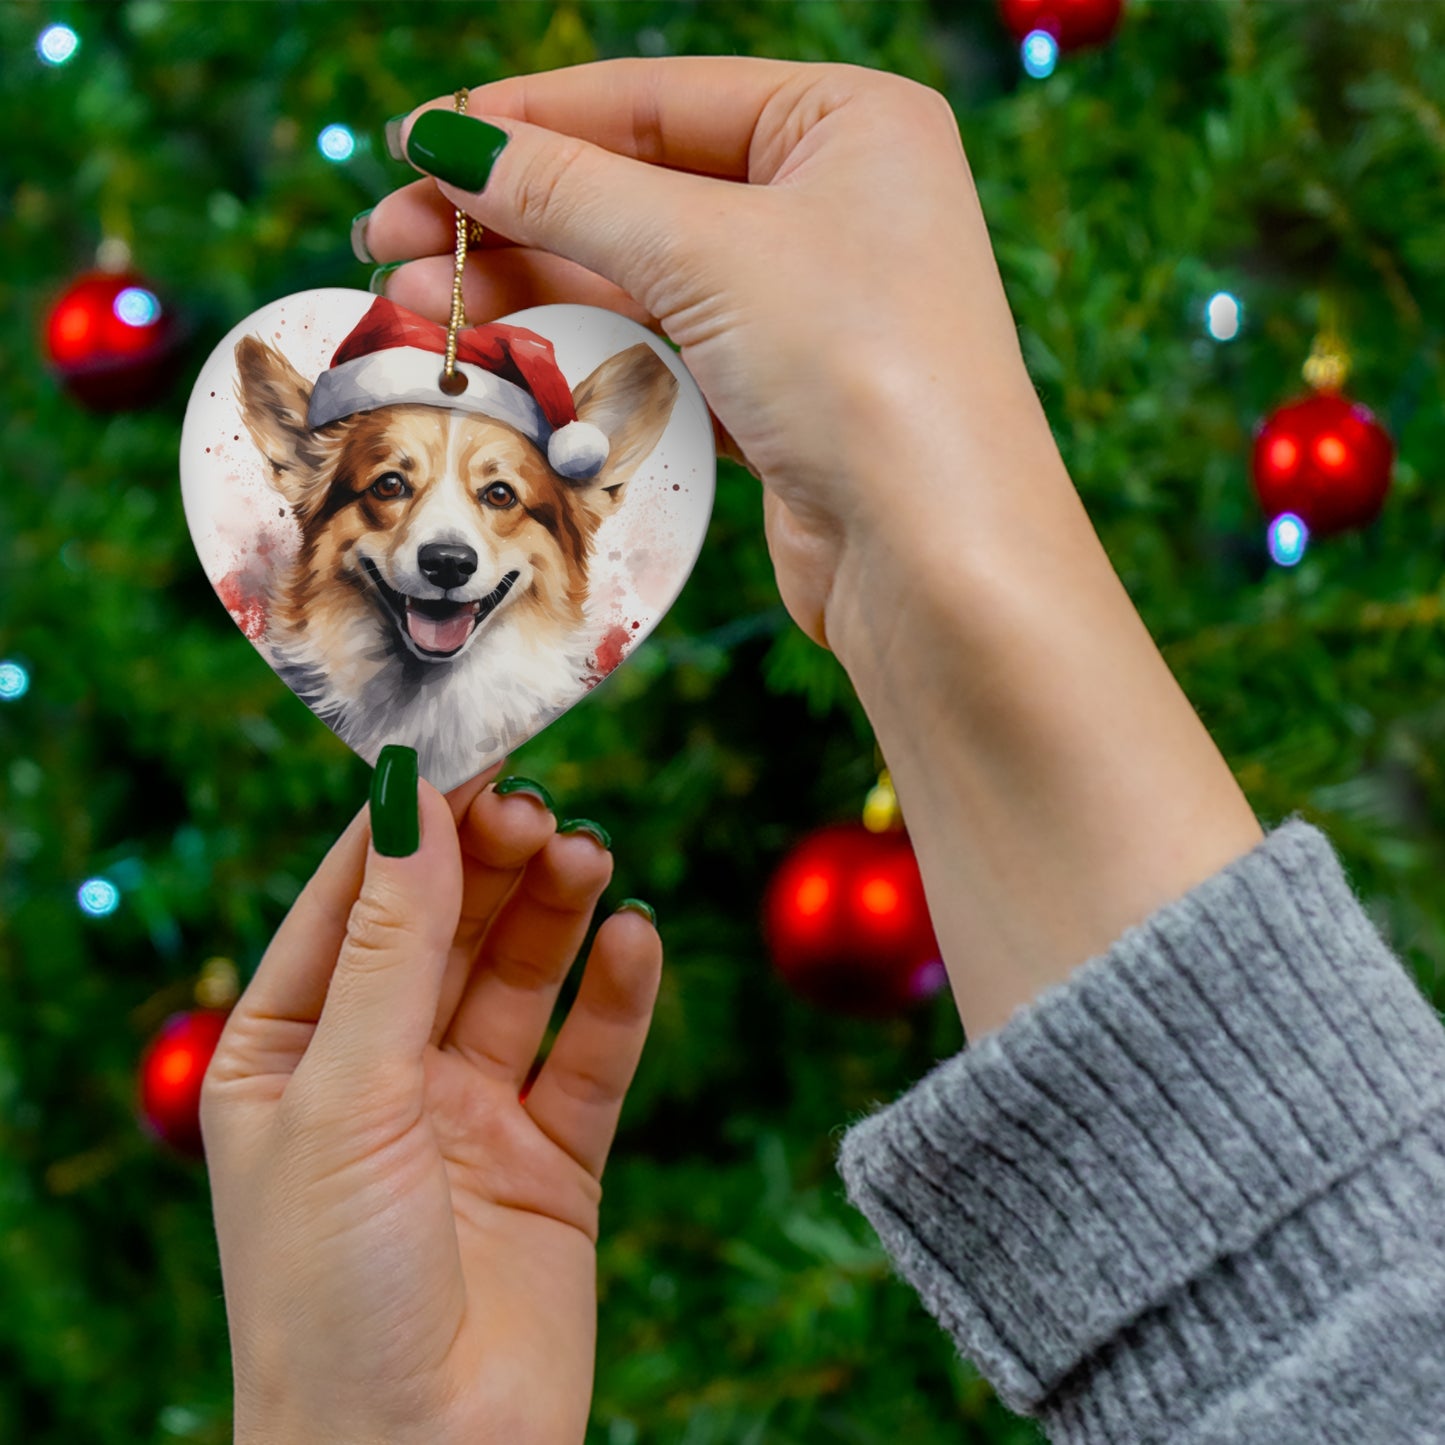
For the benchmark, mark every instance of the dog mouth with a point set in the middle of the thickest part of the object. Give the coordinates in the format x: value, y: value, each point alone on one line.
x: 439, y: 628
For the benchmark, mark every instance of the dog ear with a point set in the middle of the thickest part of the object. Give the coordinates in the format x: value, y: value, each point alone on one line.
x: 629, y: 398
x: 274, y: 397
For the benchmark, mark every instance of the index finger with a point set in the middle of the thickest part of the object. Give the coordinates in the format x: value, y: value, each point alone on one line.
x: 696, y: 113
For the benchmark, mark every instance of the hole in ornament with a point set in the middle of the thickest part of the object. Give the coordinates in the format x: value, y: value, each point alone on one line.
x: 453, y: 385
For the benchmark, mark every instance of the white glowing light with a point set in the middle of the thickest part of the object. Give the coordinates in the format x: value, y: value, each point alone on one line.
x: 136, y: 306
x: 1223, y: 316
x: 14, y: 682
x: 98, y: 897
x: 1040, y: 52
x: 336, y: 143
x: 1288, y: 537
x: 57, y: 44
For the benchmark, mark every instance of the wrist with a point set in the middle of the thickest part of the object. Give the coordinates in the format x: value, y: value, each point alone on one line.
x: 1057, y: 784
x: 946, y: 525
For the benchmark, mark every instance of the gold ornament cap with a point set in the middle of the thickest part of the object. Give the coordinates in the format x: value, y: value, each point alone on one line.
x: 881, y: 813
x: 1328, y: 366
x: 219, y: 985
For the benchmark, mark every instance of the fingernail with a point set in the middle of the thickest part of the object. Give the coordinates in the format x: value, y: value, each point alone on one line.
x: 393, y: 136
x: 586, y: 825
x: 636, y: 905
x: 377, y: 284
x: 455, y: 148
x: 359, y: 248
x: 395, y: 820
x: 509, y: 786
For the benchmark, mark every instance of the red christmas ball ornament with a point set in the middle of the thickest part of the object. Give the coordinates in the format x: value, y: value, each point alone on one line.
x: 847, y: 923
x: 171, y: 1071
x: 111, y: 341
x: 1073, y: 23
x: 1326, y: 459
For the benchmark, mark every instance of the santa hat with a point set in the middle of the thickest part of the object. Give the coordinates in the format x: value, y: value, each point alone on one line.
x: 391, y: 359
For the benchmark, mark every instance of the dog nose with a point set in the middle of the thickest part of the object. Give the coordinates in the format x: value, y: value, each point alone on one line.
x: 446, y: 565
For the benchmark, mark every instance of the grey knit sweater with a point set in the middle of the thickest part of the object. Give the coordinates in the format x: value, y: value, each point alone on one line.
x: 1196, y: 1192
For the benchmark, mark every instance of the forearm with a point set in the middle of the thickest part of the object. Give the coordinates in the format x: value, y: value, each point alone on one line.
x: 1057, y: 784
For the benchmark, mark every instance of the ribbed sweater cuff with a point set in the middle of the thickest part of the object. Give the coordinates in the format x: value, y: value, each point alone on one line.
x: 1143, y: 1166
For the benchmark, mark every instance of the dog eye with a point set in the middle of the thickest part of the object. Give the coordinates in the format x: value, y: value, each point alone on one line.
x: 499, y: 495
x: 390, y: 487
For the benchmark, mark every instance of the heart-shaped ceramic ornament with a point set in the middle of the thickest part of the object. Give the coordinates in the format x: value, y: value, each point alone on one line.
x: 446, y: 571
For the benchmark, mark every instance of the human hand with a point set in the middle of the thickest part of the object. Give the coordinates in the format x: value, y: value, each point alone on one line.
x: 408, y: 1247
x: 842, y: 311
x: 811, y: 238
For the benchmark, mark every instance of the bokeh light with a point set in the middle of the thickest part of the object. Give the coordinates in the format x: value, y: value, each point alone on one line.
x: 98, y: 897
x: 879, y: 897
x: 813, y: 894
x: 336, y: 143
x: 137, y: 307
x: 14, y: 681
x: 1040, y: 52
x: 57, y: 44
x: 1288, y: 538
x: 1223, y: 316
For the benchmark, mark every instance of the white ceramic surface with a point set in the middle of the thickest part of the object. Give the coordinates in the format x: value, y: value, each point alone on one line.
x: 314, y: 544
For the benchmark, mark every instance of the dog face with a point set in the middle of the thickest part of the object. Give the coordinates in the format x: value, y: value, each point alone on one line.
x: 441, y: 521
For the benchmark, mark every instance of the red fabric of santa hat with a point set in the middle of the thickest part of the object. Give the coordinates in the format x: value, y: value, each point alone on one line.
x: 391, y: 359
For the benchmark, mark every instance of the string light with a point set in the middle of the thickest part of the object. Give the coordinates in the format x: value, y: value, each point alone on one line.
x: 57, y: 44
x: 336, y: 143
x: 1288, y: 538
x: 1223, y: 316
x: 14, y: 681
x: 98, y: 897
x: 1040, y: 52
x: 136, y: 306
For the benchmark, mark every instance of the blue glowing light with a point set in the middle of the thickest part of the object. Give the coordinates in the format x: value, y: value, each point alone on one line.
x: 98, y: 897
x: 1223, y: 316
x: 336, y: 143
x: 57, y: 44
x: 1288, y: 538
x: 14, y: 681
x: 136, y: 306
x: 1040, y: 52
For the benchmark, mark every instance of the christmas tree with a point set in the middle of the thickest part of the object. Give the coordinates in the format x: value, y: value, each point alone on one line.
x: 1180, y: 215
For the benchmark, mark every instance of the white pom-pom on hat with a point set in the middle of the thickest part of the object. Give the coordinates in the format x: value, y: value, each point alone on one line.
x: 578, y: 450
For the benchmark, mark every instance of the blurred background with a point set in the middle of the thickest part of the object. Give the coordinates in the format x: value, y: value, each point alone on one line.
x: 1188, y: 206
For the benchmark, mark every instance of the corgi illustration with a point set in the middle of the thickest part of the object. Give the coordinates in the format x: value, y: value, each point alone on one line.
x: 439, y: 596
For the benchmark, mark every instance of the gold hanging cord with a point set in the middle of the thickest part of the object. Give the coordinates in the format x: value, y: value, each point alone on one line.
x: 1328, y: 367
x: 452, y: 382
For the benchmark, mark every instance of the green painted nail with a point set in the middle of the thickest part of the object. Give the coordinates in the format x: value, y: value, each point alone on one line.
x: 455, y: 148
x: 509, y: 786
x: 636, y: 905
x: 586, y: 825
x: 393, y: 136
x: 395, y: 820
x: 359, y: 248
x: 377, y: 284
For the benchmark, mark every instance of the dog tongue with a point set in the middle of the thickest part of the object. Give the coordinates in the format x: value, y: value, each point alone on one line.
x: 440, y: 634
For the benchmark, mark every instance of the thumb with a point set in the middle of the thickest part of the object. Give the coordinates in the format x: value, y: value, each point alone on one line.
x: 382, y: 1000
x: 635, y: 224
